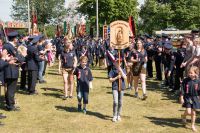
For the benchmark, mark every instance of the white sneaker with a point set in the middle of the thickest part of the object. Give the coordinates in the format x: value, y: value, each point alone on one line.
x: 114, y: 118
x: 119, y: 118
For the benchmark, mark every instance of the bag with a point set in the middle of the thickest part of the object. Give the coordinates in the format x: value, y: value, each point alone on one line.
x: 136, y: 68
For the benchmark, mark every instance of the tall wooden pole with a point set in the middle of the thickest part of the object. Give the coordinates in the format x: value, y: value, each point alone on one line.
x: 119, y: 61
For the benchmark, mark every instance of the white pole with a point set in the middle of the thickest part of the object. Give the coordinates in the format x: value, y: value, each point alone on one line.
x: 97, y: 14
x: 29, y: 25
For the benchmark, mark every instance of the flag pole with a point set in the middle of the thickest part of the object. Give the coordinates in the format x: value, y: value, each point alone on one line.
x: 119, y: 61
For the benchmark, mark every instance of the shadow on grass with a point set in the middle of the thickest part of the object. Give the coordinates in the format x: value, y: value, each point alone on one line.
x: 51, y: 73
x: 125, y: 94
x: 73, y: 109
x: 51, y: 89
x: 156, y: 87
x: 170, y: 122
x: 2, y: 103
x: 56, y: 95
x: 100, y: 77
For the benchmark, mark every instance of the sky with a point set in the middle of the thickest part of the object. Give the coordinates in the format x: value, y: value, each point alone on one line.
x: 5, y: 9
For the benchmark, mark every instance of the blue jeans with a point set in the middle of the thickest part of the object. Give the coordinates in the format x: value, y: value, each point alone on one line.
x: 117, y: 102
x: 82, y: 95
x: 40, y: 71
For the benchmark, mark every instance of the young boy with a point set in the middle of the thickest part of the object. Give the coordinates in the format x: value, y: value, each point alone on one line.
x: 115, y: 75
x: 84, y: 78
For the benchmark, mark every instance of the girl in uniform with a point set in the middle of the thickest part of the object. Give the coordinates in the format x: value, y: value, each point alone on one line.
x: 69, y: 62
x: 139, y: 60
x: 190, y: 95
x: 117, y: 77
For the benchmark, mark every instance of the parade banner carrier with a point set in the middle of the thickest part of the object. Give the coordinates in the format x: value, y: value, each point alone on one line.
x: 119, y: 37
x: 119, y: 34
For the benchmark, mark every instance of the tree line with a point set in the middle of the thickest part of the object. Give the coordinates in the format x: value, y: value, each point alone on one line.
x: 152, y: 15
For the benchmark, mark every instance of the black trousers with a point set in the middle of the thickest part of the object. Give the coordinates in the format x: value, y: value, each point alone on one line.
x: 10, y: 93
x: 32, y: 79
x: 158, y: 64
x: 23, y: 79
x: 150, y: 68
x: 178, y: 77
x: 97, y: 59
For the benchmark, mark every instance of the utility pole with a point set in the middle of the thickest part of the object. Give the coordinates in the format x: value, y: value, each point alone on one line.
x: 97, y: 15
x: 29, y: 25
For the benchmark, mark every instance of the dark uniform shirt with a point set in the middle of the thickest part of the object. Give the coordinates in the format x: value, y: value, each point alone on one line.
x: 115, y: 84
x: 68, y: 59
x: 168, y: 60
x: 12, y: 71
x: 33, y: 58
x: 3, y: 64
x: 190, y: 87
x: 84, y: 76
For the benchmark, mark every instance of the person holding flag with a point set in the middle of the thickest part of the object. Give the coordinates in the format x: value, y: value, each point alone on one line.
x: 117, y: 77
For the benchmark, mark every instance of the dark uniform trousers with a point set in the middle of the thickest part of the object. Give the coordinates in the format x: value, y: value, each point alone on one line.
x: 150, y: 68
x: 32, y: 79
x: 23, y: 79
x: 10, y: 93
x: 178, y: 77
x: 158, y: 64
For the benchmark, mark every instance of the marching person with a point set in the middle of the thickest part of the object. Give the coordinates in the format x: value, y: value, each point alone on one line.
x: 33, y: 59
x: 190, y: 95
x: 84, y: 79
x: 12, y: 71
x: 128, y: 64
x: 179, y: 57
x: 150, y: 53
x: 168, y: 59
x: 69, y: 63
x: 139, y: 60
x: 117, y: 77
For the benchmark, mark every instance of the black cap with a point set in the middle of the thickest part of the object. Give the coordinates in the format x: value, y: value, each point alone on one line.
x: 13, y: 34
x: 195, y: 31
x: 147, y: 35
x: 159, y: 44
x: 158, y: 36
x: 35, y: 40
x: 164, y: 35
x: 31, y: 37
x: 168, y: 45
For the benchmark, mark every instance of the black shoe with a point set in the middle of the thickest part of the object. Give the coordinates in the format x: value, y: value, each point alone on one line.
x: 33, y: 93
x: 144, y: 97
x: 79, y: 108
x: 64, y: 97
x: 13, y: 109
x: 2, y: 116
x: 70, y: 97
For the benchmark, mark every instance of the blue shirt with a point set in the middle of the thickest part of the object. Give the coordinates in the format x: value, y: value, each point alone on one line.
x: 115, y: 84
x: 84, y: 76
x: 68, y: 59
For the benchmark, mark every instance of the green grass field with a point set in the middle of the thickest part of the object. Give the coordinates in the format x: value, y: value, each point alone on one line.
x: 48, y: 113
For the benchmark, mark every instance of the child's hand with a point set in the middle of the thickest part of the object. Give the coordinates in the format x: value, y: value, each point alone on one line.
x: 119, y: 76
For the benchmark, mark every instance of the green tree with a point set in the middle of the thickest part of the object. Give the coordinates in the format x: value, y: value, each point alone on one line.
x: 48, y: 11
x: 160, y: 14
x: 186, y: 13
x: 109, y: 10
